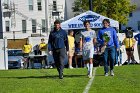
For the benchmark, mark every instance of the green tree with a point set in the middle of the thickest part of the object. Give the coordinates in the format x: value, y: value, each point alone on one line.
x: 115, y: 9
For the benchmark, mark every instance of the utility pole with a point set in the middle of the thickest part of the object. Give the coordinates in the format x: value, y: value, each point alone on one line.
x: 1, y: 26
x: 90, y: 5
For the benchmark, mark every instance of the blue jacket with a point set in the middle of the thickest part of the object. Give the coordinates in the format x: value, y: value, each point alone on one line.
x: 58, y: 39
x: 137, y: 37
x: 113, y: 37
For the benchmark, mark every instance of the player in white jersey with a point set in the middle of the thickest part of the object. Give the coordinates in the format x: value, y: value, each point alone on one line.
x: 87, y: 40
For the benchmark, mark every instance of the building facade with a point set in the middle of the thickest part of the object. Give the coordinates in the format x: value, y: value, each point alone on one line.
x: 24, y: 18
x: 134, y: 17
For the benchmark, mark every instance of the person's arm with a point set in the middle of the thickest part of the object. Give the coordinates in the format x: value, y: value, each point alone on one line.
x: 134, y: 41
x: 99, y: 38
x: 30, y: 48
x: 123, y: 42
x: 23, y: 49
x: 94, y: 38
x: 81, y: 41
x: 66, y: 41
x: 50, y: 43
x: 115, y: 39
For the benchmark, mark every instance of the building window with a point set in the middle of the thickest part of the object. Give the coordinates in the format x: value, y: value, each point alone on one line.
x: 39, y: 5
x: 30, y: 5
x: 24, y: 25
x: 54, y: 6
x: 6, y: 4
x: 33, y: 26
x: 43, y: 25
x: 7, y: 26
x: 138, y: 25
x: 130, y: 14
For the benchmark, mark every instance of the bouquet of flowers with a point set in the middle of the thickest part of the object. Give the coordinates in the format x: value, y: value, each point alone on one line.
x: 106, y: 38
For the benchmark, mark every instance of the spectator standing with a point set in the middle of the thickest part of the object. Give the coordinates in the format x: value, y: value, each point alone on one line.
x: 71, y: 47
x: 137, y: 38
x: 58, y: 45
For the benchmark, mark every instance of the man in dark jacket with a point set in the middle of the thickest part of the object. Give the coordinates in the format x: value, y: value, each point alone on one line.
x: 58, y: 45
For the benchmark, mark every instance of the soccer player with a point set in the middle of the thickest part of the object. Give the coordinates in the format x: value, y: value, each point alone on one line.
x: 27, y: 48
x: 87, y: 46
x: 43, y: 51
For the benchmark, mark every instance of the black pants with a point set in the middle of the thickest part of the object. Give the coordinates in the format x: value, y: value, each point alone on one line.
x: 59, y: 56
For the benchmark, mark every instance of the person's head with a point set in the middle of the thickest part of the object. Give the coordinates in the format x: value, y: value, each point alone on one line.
x: 86, y: 24
x: 27, y: 42
x: 42, y: 40
x: 70, y: 32
x: 106, y: 23
x: 57, y: 24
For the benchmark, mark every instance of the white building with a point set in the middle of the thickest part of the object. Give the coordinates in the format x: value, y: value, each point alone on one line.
x: 23, y: 18
x: 134, y: 17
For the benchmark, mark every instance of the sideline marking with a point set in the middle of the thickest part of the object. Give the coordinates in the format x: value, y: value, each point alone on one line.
x: 90, y: 82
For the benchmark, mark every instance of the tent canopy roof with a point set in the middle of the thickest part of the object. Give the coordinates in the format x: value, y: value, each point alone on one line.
x: 94, y: 18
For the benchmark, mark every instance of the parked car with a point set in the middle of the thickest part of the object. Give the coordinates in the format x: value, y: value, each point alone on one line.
x: 15, y: 58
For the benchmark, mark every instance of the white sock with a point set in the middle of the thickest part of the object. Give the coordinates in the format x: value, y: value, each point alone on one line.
x: 91, y: 67
x: 88, y: 67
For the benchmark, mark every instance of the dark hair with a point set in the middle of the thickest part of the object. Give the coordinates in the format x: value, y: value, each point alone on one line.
x: 57, y: 22
x: 42, y: 38
x: 129, y: 32
x: 86, y: 21
x: 106, y: 20
x: 69, y: 31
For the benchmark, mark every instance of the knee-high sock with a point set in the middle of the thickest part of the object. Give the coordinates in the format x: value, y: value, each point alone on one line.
x: 91, y: 67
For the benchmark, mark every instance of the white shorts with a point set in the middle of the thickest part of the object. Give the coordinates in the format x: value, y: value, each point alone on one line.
x: 88, y: 54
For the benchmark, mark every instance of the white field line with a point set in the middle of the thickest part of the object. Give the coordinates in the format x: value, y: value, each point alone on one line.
x: 90, y: 82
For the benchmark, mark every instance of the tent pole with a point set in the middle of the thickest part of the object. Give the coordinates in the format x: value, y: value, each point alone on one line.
x: 90, y: 5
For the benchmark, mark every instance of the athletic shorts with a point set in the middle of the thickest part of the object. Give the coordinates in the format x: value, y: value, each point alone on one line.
x: 129, y: 49
x: 87, y: 54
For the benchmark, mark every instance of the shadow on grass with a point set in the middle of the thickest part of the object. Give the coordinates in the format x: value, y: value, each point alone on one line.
x: 99, y: 75
x: 47, y: 77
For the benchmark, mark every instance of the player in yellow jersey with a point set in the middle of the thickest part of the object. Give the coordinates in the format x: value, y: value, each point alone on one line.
x: 129, y: 46
x: 43, y: 51
x: 27, y: 48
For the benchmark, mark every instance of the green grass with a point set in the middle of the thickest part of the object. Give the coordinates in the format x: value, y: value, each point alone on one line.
x: 42, y: 81
x: 126, y: 80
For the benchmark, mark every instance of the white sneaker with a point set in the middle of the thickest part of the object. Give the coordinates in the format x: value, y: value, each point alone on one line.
x: 89, y: 76
x: 51, y: 67
x: 106, y: 74
x: 116, y: 65
x: 112, y: 73
x: 120, y: 64
x: 70, y: 67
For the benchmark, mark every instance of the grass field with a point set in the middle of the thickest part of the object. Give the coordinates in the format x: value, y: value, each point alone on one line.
x: 126, y: 79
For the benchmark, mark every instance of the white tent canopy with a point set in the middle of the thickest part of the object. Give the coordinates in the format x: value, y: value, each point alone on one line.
x: 94, y: 18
